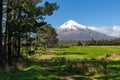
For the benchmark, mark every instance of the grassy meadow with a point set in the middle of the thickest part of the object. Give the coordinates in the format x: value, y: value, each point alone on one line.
x: 82, y: 52
x: 70, y: 63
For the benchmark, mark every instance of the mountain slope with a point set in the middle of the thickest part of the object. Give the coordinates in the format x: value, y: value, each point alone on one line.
x: 71, y: 30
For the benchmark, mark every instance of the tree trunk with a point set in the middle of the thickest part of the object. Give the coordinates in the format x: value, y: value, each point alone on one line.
x: 18, y: 51
x: 1, y: 25
x: 8, y: 34
x: 1, y: 52
x: 19, y: 32
x: 27, y: 44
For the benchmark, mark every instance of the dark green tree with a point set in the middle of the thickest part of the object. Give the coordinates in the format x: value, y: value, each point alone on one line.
x: 47, y: 36
x: 79, y: 43
x: 23, y: 17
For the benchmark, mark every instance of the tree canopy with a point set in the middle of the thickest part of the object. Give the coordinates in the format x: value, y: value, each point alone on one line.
x: 22, y: 18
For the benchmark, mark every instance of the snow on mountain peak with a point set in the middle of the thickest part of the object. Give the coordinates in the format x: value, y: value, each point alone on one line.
x: 71, y: 24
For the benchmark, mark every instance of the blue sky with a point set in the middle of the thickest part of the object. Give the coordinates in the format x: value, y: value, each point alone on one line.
x: 100, y: 15
x: 87, y: 12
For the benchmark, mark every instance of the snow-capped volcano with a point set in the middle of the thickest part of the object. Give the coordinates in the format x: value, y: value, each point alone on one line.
x: 71, y: 25
x: 71, y: 30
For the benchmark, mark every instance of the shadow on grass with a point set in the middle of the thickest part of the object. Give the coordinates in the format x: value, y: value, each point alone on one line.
x: 80, y: 78
x: 32, y: 72
x: 114, y: 70
x: 114, y: 62
x: 71, y: 53
x: 53, y: 69
x: 60, y: 69
x: 110, y: 77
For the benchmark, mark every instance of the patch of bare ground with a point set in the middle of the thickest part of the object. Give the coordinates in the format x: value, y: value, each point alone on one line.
x: 110, y: 56
x: 47, y: 56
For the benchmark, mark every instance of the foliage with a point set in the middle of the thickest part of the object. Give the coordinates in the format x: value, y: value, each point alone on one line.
x: 47, y: 36
x: 22, y: 18
x: 110, y: 42
x: 92, y: 42
x: 79, y: 43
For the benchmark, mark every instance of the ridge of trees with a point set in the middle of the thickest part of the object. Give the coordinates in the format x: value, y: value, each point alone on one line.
x: 111, y: 42
x: 92, y: 42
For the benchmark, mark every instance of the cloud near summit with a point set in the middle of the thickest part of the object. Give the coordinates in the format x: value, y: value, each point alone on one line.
x: 111, y: 31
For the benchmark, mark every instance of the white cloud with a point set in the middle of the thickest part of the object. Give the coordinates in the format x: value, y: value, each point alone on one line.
x: 111, y: 31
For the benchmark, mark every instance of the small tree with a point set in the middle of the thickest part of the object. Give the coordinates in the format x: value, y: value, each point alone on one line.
x: 46, y: 36
x: 79, y: 43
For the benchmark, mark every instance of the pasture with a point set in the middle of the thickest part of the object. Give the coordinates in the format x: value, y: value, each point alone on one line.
x: 82, y: 52
x: 71, y: 63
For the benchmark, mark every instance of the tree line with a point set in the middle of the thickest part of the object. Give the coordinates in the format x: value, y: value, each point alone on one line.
x: 19, y: 20
x: 92, y: 42
x: 111, y: 42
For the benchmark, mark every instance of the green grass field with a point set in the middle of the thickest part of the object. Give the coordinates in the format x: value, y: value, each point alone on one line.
x: 51, y: 66
x: 81, y: 52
